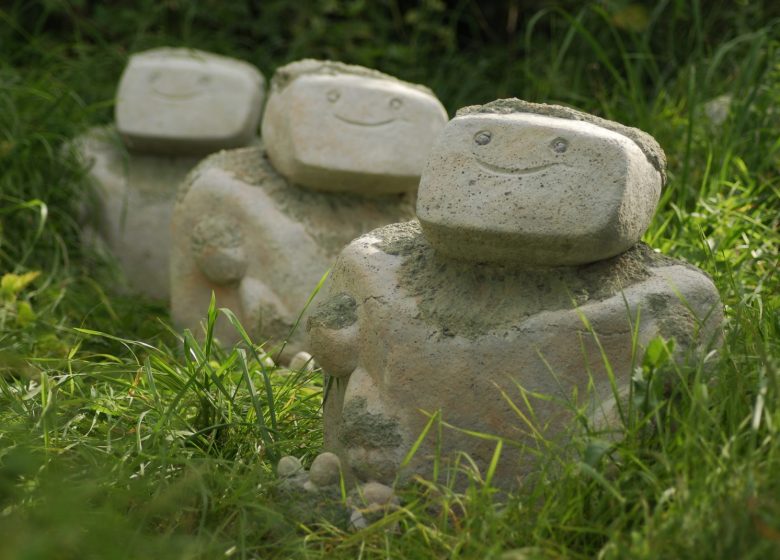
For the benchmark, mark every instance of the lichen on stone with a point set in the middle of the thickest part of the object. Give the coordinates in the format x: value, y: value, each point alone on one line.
x: 468, y: 299
x: 287, y: 74
x: 649, y: 146
x: 361, y: 428
x: 401, y: 238
x: 335, y: 313
x: 216, y: 231
x: 677, y: 321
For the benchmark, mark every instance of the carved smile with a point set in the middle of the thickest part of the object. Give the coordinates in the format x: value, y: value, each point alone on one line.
x: 363, y: 123
x: 177, y: 95
x: 513, y: 171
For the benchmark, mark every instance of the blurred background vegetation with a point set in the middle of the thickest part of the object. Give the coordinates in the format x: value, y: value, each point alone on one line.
x: 121, y: 445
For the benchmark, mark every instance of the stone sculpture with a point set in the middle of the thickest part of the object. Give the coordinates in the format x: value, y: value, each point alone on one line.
x: 173, y: 106
x: 260, y: 226
x: 525, y: 264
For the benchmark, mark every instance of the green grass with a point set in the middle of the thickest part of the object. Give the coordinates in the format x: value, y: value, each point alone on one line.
x: 120, y: 437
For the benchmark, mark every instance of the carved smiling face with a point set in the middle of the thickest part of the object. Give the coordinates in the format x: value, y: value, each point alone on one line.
x: 182, y: 101
x: 351, y: 133
x: 535, y: 189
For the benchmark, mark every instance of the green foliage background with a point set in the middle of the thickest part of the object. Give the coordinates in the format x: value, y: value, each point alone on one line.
x: 120, y: 437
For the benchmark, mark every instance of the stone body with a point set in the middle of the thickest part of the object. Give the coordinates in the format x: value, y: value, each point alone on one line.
x: 184, y: 101
x: 337, y: 127
x: 262, y: 244
x: 405, y: 332
x: 522, y: 276
x: 173, y: 105
x: 134, y: 201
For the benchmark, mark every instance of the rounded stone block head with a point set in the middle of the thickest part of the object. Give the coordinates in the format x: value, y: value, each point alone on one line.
x: 336, y: 127
x: 182, y: 101
x: 538, y: 185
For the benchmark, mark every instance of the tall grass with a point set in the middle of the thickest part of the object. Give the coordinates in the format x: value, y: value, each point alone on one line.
x: 120, y: 437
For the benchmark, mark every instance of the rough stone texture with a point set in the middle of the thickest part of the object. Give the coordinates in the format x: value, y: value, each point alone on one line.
x: 325, y: 469
x: 183, y: 101
x: 261, y: 244
x: 135, y: 194
x: 536, y: 189
x: 336, y: 127
x: 428, y: 333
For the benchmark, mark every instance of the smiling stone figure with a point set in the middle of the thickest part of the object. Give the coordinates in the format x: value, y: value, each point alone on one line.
x: 524, y: 267
x: 173, y: 106
x: 184, y: 101
x: 337, y: 127
x: 259, y: 226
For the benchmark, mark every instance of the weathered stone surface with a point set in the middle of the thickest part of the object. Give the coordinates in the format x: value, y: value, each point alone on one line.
x: 336, y: 127
x: 135, y: 197
x: 261, y: 244
x: 325, y: 469
x: 172, y: 105
x: 370, y: 502
x: 183, y: 101
x: 508, y: 182
x: 429, y: 333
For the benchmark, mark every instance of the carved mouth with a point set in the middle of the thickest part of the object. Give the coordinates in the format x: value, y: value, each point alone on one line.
x: 513, y: 171
x: 363, y: 123
x: 176, y: 95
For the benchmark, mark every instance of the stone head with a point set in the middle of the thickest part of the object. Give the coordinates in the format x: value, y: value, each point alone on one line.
x: 182, y: 101
x: 538, y: 185
x: 337, y: 127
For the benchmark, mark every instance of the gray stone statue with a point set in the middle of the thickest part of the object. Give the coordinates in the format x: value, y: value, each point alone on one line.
x: 522, y: 276
x: 343, y: 150
x: 173, y: 106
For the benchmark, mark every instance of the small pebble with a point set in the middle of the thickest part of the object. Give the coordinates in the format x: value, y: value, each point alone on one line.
x: 302, y: 361
x: 357, y: 521
x: 288, y: 466
x: 377, y: 493
x: 267, y: 361
x: 325, y: 470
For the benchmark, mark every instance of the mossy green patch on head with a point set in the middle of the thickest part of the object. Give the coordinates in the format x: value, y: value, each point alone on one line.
x: 361, y: 428
x: 649, y: 146
x: 337, y: 312
x: 287, y: 74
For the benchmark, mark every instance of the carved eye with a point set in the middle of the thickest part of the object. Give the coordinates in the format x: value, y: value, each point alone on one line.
x: 204, y: 80
x: 396, y: 103
x: 333, y: 95
x: 154, y: 76
x: 559, y: 145
x: 483, y: 137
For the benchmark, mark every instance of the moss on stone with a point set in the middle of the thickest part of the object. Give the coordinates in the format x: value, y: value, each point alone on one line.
x: 335, y: 313
x: 333, y: 219
x: 469, y: 298
x: 361, y: 428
